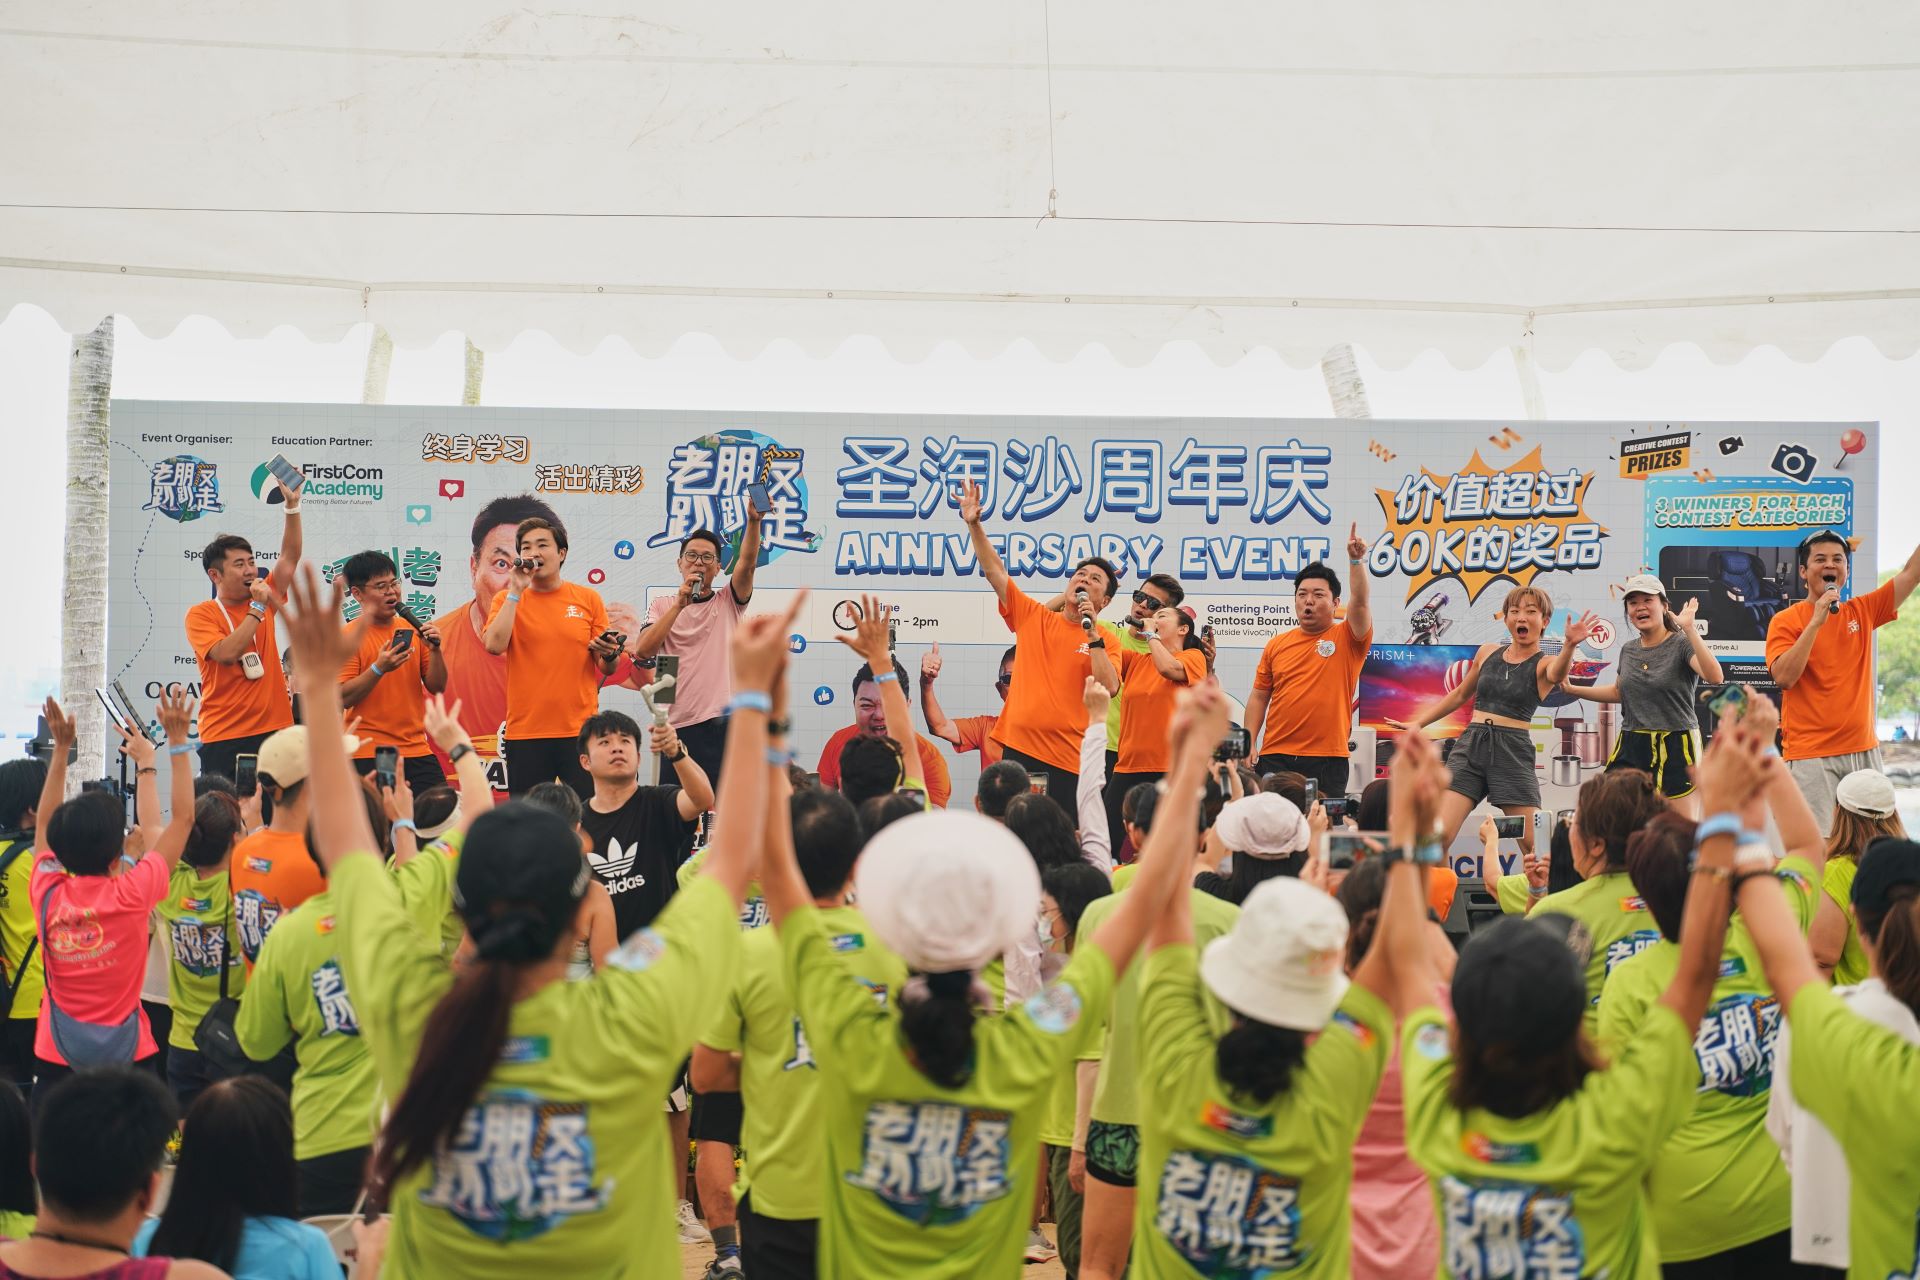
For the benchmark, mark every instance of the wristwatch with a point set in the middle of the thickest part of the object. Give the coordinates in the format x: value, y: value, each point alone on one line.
x: 677, y: 758
x: 459, y: 752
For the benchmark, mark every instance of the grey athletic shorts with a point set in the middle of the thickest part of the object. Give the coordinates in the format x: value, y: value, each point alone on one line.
x: 1494, y: 763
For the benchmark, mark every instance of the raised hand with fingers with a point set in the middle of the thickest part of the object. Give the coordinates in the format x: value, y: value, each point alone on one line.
x: 311, y: 618
x: 59, y: 725
x: 443, y: 723
x: 968, y: 494
x: 175, y: 712
x: 930, y: 664
x: 136, y: 746
x: 871, y: 634
x: 1356, y: 545
x: 1580, y: 628
x: 1096, y: 699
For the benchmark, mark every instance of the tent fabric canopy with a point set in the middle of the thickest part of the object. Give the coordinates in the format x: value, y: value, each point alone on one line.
x: 1464, y: 177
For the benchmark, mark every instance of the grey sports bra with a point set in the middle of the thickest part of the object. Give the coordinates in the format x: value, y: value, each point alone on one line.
x: 1506, y: 688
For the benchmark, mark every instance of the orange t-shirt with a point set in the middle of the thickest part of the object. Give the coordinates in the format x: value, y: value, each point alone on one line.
x: 553, y: 681
x: 232, y: 706
x: 976, y: 734
x: 477, y: 680
x: 1829, y: 709
x: 1044, y: 715
x: 1312, y: 680
x: 933, y: 766
x: 1150, y: 699
x: 394, y: 711
x: 271, y: 873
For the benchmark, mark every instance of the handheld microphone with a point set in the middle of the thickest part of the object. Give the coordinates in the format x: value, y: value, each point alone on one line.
x: 699, y: 593
x: 1086, y: 620
x: 1835, y: 606
x: 407, y: 616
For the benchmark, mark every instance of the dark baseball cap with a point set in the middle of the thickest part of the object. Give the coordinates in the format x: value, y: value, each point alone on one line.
x: 1888, y: 863
x: 1522, y: 982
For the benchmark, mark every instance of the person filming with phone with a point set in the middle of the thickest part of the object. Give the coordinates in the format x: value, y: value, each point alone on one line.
x: 559, y: 652
x: 695, y: 624
x: 387, y: 680
x: 1820, y: 651
x: 243, y: 695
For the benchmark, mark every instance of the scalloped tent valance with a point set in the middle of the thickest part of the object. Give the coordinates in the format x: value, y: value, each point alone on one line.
x: 1240, y: 175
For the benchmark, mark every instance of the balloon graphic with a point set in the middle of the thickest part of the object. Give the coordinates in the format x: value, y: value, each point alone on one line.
x: 1455, y: 674
x: 1852, y: 441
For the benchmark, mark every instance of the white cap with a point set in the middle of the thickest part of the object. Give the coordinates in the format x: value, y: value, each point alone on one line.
x: 1262, y: 825
x: 1867, y: 793
x: 1644, y: 584
x: 283, y: 756
x: 948, y: 891
x: 1283, y: 961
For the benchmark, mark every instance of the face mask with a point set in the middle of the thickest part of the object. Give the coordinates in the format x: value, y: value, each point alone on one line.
x: 1043, y: 934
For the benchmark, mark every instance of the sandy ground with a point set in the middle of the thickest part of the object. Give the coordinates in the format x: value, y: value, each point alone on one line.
x: 694, y: 1259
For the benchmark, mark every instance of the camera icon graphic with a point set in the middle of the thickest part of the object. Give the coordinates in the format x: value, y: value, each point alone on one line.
x: 1794, y: 462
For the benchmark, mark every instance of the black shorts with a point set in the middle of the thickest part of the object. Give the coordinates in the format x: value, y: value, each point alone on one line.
x: 1494, y: 762
x: 532, y: 761
x: 1113, y: 1153
x: 777, y: 1248
x: 1667, y: 754
x: 717, y: 1117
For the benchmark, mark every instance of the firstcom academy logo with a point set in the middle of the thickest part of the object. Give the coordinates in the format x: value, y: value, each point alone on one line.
x: 344, y: 484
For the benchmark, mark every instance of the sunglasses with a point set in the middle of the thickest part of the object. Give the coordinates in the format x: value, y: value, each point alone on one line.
x: 1003, y: 681
x: 1141, y: 597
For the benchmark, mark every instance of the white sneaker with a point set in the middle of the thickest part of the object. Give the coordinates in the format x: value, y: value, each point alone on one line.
x: 691, y: 1232
x: 727, y: 1268
x: 1039, y: 1248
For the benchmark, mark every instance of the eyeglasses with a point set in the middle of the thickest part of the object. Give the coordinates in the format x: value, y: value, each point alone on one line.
x: 1141, y: 597
x: 1003, y: 681
x: 700, y: 557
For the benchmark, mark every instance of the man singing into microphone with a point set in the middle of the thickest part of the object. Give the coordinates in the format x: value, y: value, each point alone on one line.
x: 387, y: 680
x: 1045, y: 717
x: 1821, y: 653
x: 559, y: 652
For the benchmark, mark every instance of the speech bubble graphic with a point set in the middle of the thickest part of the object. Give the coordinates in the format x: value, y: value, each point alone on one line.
x: 419, y: 513
x: 451, y: 489
x: 596, y: 576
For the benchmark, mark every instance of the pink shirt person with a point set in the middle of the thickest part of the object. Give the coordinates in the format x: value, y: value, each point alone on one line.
x: 699, y: 637
x: 95, y: 944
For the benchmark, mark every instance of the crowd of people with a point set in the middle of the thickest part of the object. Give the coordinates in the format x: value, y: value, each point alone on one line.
x: 459, y: 989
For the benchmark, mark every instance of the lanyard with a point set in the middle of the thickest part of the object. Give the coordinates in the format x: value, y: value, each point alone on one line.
x: 227, y: 618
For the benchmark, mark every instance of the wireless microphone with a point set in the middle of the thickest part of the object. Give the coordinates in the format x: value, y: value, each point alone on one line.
x: 407, y: 616
x: 1086, y: 620
x: 1835, y: 606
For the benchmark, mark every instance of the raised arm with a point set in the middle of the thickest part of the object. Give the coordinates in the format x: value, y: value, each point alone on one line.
x: 1704, y: 664
x: 320, y: 648
x: 1089, y: 801
x: 176, y: 713
x: 1730, y: 775
x: 1905, y: 578
x: 696, y: 790
x: 781, y: 883
x: 499, y: 632
x: 53, y: 792
x: 746, y: 560
x: 1403, y: 961
x: 870, y: 641
x: 1799, y: 833
x: 1360, y: 585
x: 469, y: 771
x: 739, y: 826
x: 1165, y: 660
x: 1554, y: 670
x: 939, y: 724
x: 1784, y: 956
x: 291, y: 540
x: 991, y: 566
x: 1167, y: 861
x: 137, y: 747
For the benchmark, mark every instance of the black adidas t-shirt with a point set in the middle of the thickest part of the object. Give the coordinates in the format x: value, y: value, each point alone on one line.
x: 636, y: 850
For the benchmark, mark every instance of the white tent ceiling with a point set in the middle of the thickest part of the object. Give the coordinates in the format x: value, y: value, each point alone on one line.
x: 1240, y: 173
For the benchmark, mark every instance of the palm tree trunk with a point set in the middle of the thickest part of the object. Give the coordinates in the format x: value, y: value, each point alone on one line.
x: 1348, y: 392
x: 379, y: 365
x: 83, y: 609
x: 476, y: 370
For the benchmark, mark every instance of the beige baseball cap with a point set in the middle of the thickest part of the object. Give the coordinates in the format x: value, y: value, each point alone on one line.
x: 1283, y: 962
x: 283, y: 756
x: 1643, y: 584
x: 947, y: 891
x: 1868, y: 793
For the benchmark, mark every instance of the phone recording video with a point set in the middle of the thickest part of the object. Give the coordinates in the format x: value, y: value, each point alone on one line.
x: 386, y: 767
x: 246, y: 771
x: 1344, y: 848
x: 1510, y: 828
x: 1236, y: 745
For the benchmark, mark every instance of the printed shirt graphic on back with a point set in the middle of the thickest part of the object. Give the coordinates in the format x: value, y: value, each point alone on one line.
x: 271, y: 873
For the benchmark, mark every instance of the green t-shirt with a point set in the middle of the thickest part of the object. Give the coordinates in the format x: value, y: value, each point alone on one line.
x: 194, y: 915
x: 1617, y: 919
x: 298, y: 993
x: 1056, y: 1120
x: 1123, y: 876
x: 1114, y: 1100
x: 18, y: 930
x: 426, y: 883
x: 1863, y: 1082
x: 1560, y: 1192
x: 1513, y: 893
x: 779, y: 1080
x: 1851, y: 971
x: 562, y: 1165
x: 1134, y: 642
x: 1718, y: 1182
x: 753, y: 911
x: 1231, y: 1187
x: 922, y: 1180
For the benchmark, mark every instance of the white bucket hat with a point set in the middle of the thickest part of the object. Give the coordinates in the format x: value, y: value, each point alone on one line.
x: 1263, y: 826
x: 1867, y: 793
x: 948, y: 891
x: 1282, y: 962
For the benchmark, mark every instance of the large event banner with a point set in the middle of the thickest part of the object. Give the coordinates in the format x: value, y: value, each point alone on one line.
x: 1454, y: 513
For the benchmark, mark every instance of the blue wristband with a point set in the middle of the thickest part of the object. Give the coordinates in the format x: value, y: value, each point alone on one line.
x: 182, y: 748
x: 751, y: 700
x: 403, y: 822
x: 885, y: 676
x: 514, y: 596
x: 1720, y: 824
x: 1428, y: 853
x: 375, y: 668
x: 779, y: 759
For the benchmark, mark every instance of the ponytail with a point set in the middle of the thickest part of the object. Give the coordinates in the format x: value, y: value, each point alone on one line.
x: 216, y: 825
x: 1257, y: 1059
x: 939, y: 1027
x: 462, y: 1041
x: 1896, y: 939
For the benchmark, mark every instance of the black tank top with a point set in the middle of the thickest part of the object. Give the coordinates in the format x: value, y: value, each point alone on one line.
x: 1507, y: 688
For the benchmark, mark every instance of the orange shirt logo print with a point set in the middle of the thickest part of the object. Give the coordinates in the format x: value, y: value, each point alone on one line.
x: 1325, y: 648
x: 575, y: 611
